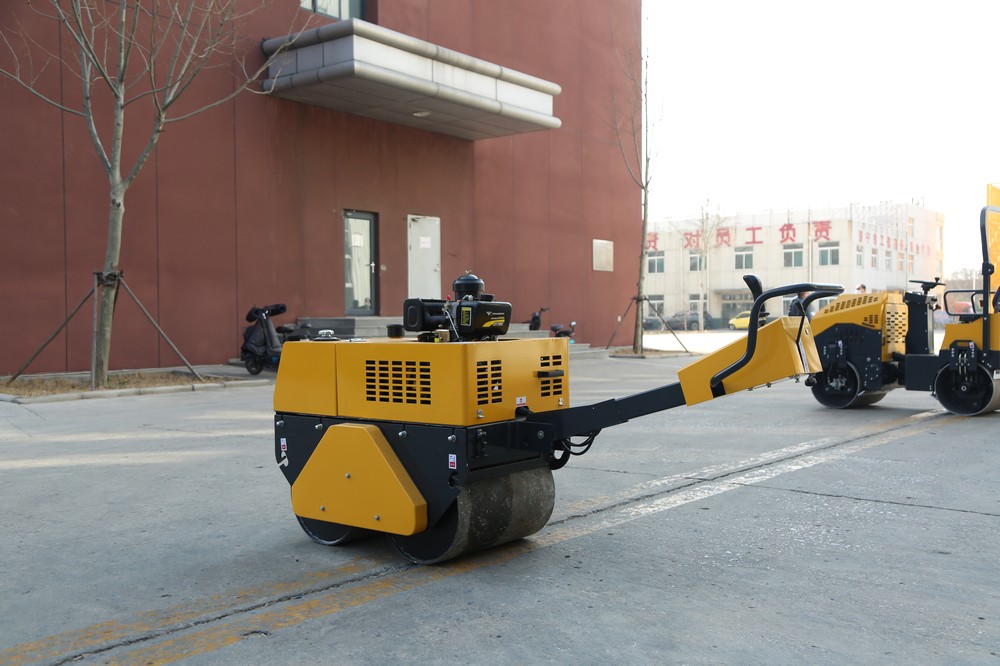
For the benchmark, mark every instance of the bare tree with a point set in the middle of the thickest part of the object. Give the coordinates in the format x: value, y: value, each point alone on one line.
x: 700, y: 237
x: 631, y: 124
x: 709, y: 225
x: 133, y: 59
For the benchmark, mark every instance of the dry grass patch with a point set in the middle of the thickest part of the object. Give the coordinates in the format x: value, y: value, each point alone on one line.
x: 34, y: 386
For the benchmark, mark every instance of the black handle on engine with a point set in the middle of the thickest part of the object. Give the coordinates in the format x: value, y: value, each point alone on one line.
x: 820, y: 291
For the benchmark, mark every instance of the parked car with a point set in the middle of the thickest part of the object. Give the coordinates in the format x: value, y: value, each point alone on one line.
x: 740, y: 322
x: 652, y: 324
x: 687, y: 320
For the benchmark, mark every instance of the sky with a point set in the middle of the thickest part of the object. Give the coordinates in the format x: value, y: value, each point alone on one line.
x: 776, y: 104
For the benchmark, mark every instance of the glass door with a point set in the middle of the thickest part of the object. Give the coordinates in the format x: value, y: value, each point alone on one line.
x: 360, y: 288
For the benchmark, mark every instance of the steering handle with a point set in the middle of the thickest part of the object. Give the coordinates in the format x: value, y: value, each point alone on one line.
x: 819, y: 291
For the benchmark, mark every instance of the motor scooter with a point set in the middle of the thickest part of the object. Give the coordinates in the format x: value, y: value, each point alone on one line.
x: 262, y: 340
x: 561, y: 331
x: 535, y: 323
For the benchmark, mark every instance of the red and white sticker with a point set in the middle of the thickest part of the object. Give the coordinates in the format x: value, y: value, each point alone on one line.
x: 521, y: 401
x: 284, y: 444
x: 452, y: 461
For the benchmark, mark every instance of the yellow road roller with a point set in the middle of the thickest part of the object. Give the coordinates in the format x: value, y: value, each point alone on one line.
x: 870, y: 344
x: 446, y: 440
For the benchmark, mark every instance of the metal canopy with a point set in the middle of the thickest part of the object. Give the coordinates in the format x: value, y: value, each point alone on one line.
x: 363, y: 69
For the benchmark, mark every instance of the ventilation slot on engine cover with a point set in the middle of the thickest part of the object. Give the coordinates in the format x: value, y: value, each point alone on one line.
x: 551, y: 386
x: 896, y: 327
x: 407, y: 382
x: 489, y: 382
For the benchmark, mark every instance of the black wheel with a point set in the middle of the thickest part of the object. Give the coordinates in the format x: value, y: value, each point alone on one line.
x: 331, y: 534
x: 486, y: 513
x: 693, y: 326
x: 841, y: 390
x: 967, y: 393
x: 732, y: 327
x: 254, y: 365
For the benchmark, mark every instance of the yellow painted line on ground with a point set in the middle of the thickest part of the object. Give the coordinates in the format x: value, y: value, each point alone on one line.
x: 295, y: 612
x: 98, y: 636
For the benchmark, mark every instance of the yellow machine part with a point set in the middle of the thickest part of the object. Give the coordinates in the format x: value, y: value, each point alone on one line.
x: 354, y: 478
x: 777, y: 357
x: 448, y: 383
x: 883, y: 312
x: 307, y: 379
x: 972, y: 331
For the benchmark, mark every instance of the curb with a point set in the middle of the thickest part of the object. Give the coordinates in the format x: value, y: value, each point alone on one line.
x: 119, y: 393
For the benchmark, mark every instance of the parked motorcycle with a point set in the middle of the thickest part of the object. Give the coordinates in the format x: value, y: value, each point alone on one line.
x: 262, y: 340
x: 561, y: 331
x: 535, y: 323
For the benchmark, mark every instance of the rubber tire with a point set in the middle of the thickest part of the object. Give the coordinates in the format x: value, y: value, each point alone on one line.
x: 254, y: 365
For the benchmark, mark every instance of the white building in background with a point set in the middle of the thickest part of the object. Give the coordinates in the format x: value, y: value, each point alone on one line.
x: 700, y: 263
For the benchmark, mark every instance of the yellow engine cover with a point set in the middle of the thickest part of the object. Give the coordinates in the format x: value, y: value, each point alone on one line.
x: 448, y: 383
x: 884, y: 312
x: 354, y: 478
x: 776, y: 357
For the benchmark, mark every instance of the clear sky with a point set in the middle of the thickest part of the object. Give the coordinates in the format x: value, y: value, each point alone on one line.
x: 760, y: 104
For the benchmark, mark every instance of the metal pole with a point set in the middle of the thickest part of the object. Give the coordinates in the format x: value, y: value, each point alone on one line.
x: 51, y: 338
x: 158, y: 329
x: 93, y: 336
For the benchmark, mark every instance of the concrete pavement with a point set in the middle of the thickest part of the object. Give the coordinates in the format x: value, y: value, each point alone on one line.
x: 759, y: 528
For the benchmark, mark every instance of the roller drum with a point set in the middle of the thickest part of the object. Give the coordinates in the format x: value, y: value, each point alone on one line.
x: 970, y: 393
x: 486, y: 513
x: 843, y: 390
x: 331, y: 534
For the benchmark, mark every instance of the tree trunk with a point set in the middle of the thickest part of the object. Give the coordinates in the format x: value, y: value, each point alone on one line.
x: 640, y: 298
x: 107, y: 291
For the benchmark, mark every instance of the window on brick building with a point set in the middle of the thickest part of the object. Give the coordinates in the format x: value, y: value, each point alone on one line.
x: 341, y: 9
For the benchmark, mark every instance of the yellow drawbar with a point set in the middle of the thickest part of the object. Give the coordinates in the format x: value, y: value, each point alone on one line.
x: 354, y: 478
x: 777, y: 357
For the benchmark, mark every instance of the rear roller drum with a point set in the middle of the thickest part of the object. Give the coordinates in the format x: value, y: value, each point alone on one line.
x: 842, y: 390
x: 331, y: 534
x: 967, y: 393
x: 486, y: 513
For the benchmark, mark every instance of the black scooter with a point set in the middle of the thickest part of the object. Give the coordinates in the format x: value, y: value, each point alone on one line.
x: 535, y: 323
x: 262, y: 341
x: 561, y: 331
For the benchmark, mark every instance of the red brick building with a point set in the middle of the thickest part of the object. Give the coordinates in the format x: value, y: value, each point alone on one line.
x: 418, y: 146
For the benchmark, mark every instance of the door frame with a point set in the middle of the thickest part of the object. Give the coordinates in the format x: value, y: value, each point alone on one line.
x: 373, y: 258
